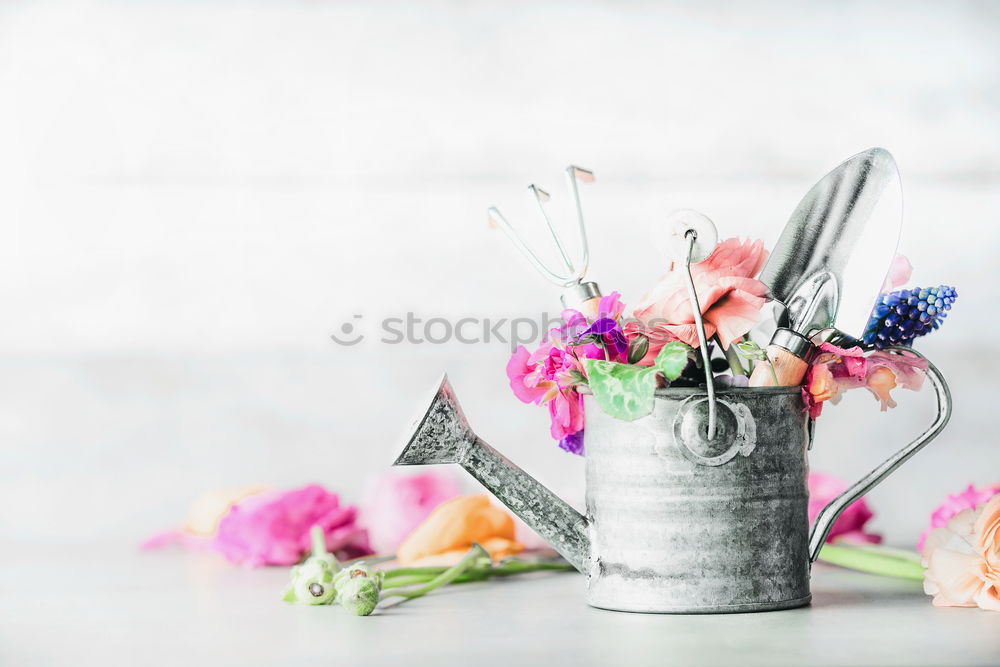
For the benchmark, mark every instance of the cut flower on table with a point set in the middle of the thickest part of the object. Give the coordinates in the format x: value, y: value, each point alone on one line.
x: 850, y: 525
x: 272, y: 527
x: 963, y: 559
x: 968, y: 499
x: 453, y: 527
x: 395, y: 503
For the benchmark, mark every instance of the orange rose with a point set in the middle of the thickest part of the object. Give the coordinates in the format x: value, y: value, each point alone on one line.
x: 448, y: 533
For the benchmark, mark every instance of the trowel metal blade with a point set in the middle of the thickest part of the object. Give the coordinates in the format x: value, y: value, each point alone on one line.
x: 846, y: 229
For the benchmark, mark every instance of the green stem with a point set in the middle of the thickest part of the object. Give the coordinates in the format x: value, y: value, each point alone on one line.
x: 446, y: 577
x: 876, y: 560
x: 396, y: 582
x: 733, y: 357
x: 407, y: 576
x: 774, y: 376
x: 508, y: 566
x: 518, y: 566
x: 407, y: 571
x: 472, y: 574
x: 318, y: 541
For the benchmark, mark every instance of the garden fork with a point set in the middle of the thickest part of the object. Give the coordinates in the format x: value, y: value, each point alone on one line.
x: 584, y: 296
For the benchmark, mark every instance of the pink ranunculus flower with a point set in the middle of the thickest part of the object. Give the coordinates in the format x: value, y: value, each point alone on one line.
x: 850, y: 525
x: 729, y: 296
x: 272, y: 528
x: 955, y: 503
x: 396, y: 503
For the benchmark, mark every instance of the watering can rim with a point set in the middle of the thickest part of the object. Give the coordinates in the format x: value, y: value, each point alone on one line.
x: 671, y: 392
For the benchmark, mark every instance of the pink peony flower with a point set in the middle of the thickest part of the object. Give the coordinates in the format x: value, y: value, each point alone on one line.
x: 272, y: 528
x: 851, y: 524
x: 729, y: 296
x: 955, y: 503
x: 396, y: 503
x: 836, y: 370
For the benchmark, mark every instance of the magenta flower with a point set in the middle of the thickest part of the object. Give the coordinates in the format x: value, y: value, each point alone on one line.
x: 955, y: 503
x: 576, y: 324
x: 544, y: 377
x: 396, y: 503
x: 851, y: 524
x: 272, y: 528
x: 566, y: 414
x: 548, y: 375
x: 604, y: 339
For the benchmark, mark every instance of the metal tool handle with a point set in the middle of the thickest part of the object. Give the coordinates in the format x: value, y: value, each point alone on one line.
x: 692, y: 236
x: 832, y: 512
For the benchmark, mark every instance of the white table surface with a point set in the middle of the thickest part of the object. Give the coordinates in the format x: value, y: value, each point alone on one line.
x: 108, y: 605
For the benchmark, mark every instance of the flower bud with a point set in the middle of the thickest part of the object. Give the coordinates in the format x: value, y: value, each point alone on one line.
x: 312, y: 583
x: 357, y: 570
x: 359, y: 595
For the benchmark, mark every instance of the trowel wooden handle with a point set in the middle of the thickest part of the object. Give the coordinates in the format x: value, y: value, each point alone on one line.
x: 789, y: 368
x: 590, y: 306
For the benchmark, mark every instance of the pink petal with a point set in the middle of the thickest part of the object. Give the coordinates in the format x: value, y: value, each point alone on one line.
x: 899, y: 273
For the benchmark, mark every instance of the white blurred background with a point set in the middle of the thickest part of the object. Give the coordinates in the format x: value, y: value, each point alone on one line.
x: 195, y: 195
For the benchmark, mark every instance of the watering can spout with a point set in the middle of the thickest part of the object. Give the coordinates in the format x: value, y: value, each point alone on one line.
x: 442, y: 435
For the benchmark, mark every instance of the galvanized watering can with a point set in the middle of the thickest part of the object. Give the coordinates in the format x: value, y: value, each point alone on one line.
x: 676, y: 522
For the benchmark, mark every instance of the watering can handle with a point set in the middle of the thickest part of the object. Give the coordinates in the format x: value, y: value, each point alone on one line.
x: 832, y: 512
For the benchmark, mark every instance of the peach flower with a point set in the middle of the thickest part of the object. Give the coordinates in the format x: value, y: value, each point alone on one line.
x: 835, y: 370
x: 729, y: 296
x: 446, y: 535
x: 963, y: 559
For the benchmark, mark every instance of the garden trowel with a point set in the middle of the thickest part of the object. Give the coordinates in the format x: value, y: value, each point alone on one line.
x: 830, y: 262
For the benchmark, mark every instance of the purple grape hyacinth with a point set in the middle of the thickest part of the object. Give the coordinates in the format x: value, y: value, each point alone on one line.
x: 901, y: 316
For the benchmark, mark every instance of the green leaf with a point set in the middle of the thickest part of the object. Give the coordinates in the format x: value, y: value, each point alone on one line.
x: 637, y: 348
x: 621, y: 390
x: 672, y: 359
x: 589, y: 339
